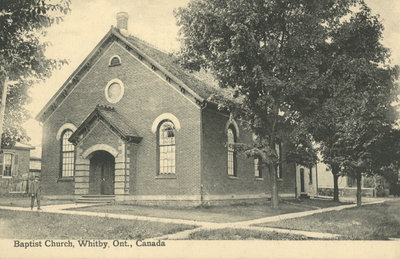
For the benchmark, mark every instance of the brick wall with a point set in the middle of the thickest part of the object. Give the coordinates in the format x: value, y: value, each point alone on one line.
x: 215, y: 180
x: 146, y: 96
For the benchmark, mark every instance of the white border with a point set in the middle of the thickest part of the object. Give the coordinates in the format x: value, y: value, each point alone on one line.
x: 115, y: 80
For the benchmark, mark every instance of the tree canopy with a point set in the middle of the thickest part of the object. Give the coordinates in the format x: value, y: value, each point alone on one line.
x: 356, y: 112
x: 22, y: 55
x: 285, y: 60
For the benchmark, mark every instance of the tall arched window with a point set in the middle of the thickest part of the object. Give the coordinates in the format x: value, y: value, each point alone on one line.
x: 231, y: 134
x: 166, y: 147
x: 67, y: 154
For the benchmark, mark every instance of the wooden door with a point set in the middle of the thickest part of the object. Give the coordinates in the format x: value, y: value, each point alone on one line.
x: 107, y: 176
x: 101, y: 179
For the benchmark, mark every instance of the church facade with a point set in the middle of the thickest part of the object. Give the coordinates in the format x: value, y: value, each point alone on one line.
x: 129, y: 122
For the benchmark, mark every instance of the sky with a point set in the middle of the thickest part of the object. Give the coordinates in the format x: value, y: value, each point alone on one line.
x: 150, y: 20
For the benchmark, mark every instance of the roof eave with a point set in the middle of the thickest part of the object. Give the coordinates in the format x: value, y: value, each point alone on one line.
x: 160, y: 67
x: 74, y: 138
x: 39, y: 116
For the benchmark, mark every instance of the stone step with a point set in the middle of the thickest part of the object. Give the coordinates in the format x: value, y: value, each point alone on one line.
x: 97, y: 196
x: 96, y: 199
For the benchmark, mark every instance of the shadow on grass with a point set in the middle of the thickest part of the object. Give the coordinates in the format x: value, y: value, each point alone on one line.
x: 216, y: 214
x: 243, y: 234
x: 370, y: 222
x: 41, y: 225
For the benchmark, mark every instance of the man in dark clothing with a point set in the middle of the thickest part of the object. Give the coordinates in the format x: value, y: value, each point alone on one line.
x: 35, y: 190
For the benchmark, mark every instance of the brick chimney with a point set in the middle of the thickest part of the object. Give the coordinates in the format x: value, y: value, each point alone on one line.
x: 122, y: 21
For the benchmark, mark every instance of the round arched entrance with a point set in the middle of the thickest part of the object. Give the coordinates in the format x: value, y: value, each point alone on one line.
x: 101, y: 173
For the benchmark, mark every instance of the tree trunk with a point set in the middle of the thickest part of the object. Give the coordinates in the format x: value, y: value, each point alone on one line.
x: 3, y: 82
x: 274, y: 188
x: 335, y: 172
x: 358, y: 176
x: 335, y: 188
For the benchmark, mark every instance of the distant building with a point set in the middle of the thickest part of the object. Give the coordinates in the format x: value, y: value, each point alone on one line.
x: 318, y: 181
x: 347, y: 185
x: 307, y: 181
x: 14, y: 164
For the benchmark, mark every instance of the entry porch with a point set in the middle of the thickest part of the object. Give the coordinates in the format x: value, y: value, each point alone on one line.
x: 102, y: 159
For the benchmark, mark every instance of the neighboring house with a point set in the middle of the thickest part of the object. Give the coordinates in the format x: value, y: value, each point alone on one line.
x: 347, y: 185
x: 14, y: 164
x: 130, y: 122
x: 307, y: 182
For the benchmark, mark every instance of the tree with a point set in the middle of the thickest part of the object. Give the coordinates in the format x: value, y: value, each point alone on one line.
x: 368, y: 150
x: 270, y: 53
x: 355, y: 110
x: 22, y: 57
x: 371, y: 142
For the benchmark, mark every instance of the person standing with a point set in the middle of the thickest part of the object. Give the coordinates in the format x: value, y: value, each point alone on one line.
x: 35, y: 190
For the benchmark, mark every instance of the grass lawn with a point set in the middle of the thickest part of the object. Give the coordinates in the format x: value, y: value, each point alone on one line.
x: 372, y: 222
x: 242, y: 234
x: 216, y: 214
x: 41, y: 225
x: 25, y: 202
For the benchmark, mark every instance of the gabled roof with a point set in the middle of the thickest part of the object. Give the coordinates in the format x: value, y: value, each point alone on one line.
x: 164, y: 64
x: 115, y: 121
x: 170, y: 63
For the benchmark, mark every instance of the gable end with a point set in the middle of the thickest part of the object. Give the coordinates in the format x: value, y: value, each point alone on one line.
x: 114, y: 36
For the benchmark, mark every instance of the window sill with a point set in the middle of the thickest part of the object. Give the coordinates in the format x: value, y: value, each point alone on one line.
x: 259, y: 179
x: 6, y: 177
x: 166, y: 176
x: 233, y: 177
x: 279, y: 179
x: 65, y: 179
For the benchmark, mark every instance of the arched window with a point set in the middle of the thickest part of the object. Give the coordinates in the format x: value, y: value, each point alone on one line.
x: 231, y: 134
x: 166, y: 147
x: 115, y: 61
x: 67, y: 155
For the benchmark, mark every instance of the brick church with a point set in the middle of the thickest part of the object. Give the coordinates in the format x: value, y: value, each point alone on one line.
x: 130, y: 123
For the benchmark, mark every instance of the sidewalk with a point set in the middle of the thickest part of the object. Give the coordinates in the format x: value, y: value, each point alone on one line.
x: 63, y: 209
x: 303, y: 213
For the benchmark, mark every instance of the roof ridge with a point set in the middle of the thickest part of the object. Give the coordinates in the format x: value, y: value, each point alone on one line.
x: 134, y: 37
x: 149, y: 44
